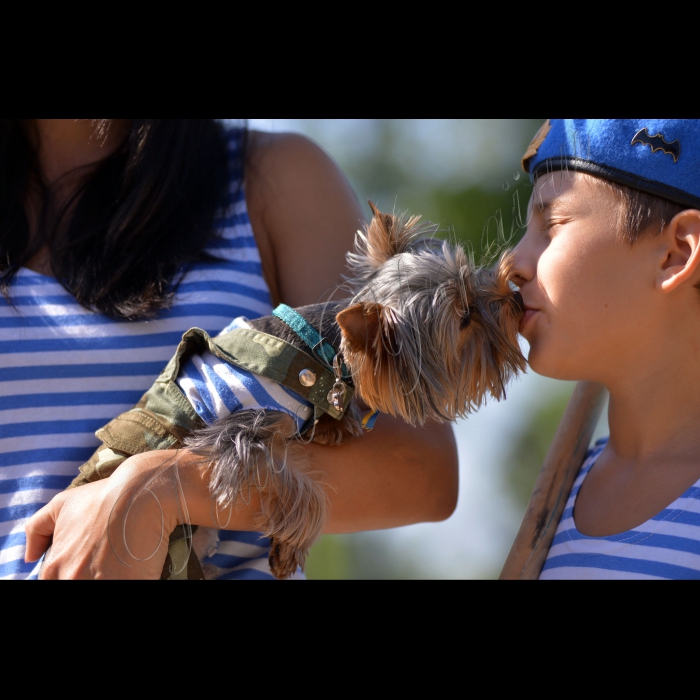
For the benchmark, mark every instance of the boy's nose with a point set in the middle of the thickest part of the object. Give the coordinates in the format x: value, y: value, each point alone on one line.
x: 524, y: 267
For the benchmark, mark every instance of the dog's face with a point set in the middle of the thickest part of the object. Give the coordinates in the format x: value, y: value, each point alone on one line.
x: 428, y: 335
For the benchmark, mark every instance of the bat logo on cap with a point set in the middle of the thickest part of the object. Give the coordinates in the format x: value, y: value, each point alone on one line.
x: 658, y: 143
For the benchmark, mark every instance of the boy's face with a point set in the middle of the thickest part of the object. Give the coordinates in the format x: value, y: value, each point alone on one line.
x: 589, y: 295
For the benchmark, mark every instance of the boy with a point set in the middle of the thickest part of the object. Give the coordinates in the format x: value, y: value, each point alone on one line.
x: 609, y: 270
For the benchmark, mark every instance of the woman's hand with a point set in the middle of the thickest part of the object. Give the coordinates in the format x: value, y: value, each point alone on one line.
x: 118, y: 528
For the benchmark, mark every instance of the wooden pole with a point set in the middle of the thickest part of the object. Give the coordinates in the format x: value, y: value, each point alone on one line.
x: 554, y: 482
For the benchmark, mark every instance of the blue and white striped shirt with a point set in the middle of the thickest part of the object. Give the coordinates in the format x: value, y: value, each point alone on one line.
x: 665, y: 547
x: 66, y: 371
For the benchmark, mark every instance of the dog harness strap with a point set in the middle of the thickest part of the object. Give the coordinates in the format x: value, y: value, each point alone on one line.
x: 369, y: 420
x: 306, y: 332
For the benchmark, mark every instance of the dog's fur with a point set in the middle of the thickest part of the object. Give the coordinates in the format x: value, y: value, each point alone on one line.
x: 427, y: 335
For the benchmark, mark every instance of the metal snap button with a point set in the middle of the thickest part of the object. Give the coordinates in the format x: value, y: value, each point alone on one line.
x: 307, y: 377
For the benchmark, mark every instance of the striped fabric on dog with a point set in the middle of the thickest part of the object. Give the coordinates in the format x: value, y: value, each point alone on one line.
x: 216, y: 389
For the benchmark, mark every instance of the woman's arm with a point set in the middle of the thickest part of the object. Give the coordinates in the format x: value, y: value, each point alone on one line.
x: 383, y: 479
x: 305, y: 213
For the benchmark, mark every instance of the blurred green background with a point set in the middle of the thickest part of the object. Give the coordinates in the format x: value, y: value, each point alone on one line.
x: 465, y: 175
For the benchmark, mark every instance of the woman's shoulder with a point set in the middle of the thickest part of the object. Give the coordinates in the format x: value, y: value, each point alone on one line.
x: 278, y: 144
x: 291, y: 162
x: 301, y: 204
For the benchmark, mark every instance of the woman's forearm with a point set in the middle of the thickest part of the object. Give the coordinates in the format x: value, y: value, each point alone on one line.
x: 395, y: 475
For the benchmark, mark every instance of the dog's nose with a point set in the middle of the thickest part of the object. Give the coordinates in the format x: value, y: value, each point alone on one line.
x: 519, y: 301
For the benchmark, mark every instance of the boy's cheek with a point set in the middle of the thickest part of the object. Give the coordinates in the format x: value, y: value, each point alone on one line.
x: 575, y: 291
x: 545, y: 352
x: 545, y: 360
x: 581, y: 339
x: 562, y: 344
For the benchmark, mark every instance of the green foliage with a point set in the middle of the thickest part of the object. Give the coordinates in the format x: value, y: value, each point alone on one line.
x: 358, y: 557
x: 390, y: 174
x: 330, y: 558
x: 530, y: 447
x: 476, y: 217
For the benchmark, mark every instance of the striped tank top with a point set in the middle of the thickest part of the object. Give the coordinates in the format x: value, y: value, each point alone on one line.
x: 665, y: 547
x: 66, y: 371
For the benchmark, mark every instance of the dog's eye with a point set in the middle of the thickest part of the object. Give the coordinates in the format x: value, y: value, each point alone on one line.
x: 466, y: 320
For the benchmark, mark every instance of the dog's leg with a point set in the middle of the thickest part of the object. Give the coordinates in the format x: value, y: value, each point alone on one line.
x: 329, y: 431
x: 256, y: 450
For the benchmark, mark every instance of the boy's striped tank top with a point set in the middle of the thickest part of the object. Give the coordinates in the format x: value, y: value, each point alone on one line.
x: 665, y: 547
x: 65, y: 372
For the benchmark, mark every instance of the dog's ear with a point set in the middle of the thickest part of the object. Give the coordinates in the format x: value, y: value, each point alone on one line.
x: 367, y: 351
x: 382, y: 229
x: 383, y: 238
x: 359, y: 324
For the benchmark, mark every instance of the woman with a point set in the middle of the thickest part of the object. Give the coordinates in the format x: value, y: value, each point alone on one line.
x: 118, y: 235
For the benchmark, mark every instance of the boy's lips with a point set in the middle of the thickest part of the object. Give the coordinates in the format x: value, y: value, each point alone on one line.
x: 530, y: 312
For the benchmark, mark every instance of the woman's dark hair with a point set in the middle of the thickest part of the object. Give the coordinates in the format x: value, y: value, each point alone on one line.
x: 127, y: 235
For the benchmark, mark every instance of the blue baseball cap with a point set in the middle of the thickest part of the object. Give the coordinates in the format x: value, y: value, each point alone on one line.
x: 658, y: 156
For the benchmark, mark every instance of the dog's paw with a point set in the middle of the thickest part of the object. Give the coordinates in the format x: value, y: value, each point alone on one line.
x: 285, y: 560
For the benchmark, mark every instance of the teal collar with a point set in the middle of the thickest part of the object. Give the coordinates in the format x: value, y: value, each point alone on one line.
x: 307, y: 333
x: 328, y: 354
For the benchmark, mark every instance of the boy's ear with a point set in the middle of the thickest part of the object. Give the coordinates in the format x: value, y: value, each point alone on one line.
x: 681, y: 262
x: 360, y: 325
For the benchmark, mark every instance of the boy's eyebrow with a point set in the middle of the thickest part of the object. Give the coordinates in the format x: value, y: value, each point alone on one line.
x: 544, y: 204
x: 541, y: 205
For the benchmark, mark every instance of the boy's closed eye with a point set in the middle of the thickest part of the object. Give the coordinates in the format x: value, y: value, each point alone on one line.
x: 550, y: 224
x: 550, y: 215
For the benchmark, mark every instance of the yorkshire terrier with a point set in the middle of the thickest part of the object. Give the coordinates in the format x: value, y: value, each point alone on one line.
x: 425, y: 335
